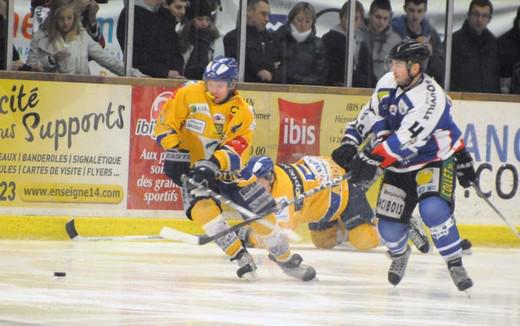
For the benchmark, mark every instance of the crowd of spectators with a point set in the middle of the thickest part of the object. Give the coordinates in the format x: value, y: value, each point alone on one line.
x: 177, y: 38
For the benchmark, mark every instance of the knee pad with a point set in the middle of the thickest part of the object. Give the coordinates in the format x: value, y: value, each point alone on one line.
x: 434, y: 210
x: 364, y: 237
x: 203, y: 211
x: 325, y: 238
x: 393, y: 234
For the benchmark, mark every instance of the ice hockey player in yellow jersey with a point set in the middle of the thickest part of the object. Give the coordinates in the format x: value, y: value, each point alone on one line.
x: 327, y: 213
x: 333, y: 215
x: 206, y: 129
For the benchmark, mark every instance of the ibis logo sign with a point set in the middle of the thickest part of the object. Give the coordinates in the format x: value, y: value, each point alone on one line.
x: 299, y: 130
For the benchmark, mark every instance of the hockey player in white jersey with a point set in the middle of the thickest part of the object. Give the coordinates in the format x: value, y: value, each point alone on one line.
x: 420, y: 149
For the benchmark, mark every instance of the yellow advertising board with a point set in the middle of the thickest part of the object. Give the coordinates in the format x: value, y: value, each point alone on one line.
x: 63, y: 143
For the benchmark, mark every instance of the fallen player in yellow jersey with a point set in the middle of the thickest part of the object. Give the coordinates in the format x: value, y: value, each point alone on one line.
x: 335, y: 215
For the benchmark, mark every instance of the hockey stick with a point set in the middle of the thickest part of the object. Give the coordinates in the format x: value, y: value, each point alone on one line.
x: 203, y: 239
x: 166, y: 233
x: 490, y: 204
x: 72, y: 232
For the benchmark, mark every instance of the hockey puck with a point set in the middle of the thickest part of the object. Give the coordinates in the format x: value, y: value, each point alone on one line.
x: 466, y: 193
x: 60, y: 274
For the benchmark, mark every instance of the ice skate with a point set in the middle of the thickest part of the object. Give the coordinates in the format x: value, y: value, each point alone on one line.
x: 398, y: 266
x: 294, y: 268
x: 246, y: 265
x: 459, y: 275
x: 418, y: 237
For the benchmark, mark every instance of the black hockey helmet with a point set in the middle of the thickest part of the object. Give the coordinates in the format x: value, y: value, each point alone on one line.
x: 411, y: 52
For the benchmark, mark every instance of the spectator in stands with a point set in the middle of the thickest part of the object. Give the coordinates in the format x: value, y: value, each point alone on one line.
x: 509, y: 53
x: 156, y: 47
x: 335, y: 42
x: 475, y: 62
x: 16, y: 56
x: 302, y: 54
x: 379, y: 37
x: 413, y: 25
x: 87, y: 8
x: 177, y: 9
x: 260, y: 62
x: 197, y: 38
x: 63, y: 46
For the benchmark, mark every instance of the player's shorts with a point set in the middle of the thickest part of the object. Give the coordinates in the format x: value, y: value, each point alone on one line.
x: 400, y: 192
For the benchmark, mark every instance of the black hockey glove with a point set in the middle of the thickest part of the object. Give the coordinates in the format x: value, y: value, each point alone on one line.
x: 363, y: 167
x: 344, y: 154
x: 176, y: 163
x: 465, y: 170
x: 204, y: 172
x: 358, y: 210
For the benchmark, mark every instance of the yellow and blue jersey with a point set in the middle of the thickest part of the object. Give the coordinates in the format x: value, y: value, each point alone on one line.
x: 308, y: 173
x: 191, y: 121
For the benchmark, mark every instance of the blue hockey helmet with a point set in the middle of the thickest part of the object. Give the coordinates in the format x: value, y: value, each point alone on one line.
x: 260, y: 166
x: 221, y: 68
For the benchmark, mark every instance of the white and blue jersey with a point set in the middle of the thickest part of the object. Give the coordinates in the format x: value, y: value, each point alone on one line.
x: 415, y: 126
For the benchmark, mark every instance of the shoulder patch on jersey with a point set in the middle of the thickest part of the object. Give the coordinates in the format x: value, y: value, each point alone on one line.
x: 196, y: 125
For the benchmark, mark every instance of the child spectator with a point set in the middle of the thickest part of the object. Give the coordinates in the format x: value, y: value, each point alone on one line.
x: 87, y: 8
x: 63, y: 46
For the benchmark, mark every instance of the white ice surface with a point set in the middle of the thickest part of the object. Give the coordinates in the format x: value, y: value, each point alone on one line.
x: 166, y: 283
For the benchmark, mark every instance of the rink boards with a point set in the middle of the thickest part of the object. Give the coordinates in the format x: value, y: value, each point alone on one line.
x: 86, y: 150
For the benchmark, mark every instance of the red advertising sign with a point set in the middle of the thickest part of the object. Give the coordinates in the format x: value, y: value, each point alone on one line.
x: 148, y: 186
x: 299, y: 130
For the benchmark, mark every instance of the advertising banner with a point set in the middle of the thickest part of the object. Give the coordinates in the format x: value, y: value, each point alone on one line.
x: 492, y: 136
x: 70, y: 146
x: 291, y: 125
x: 148, y: 186
x: 63, y: 145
